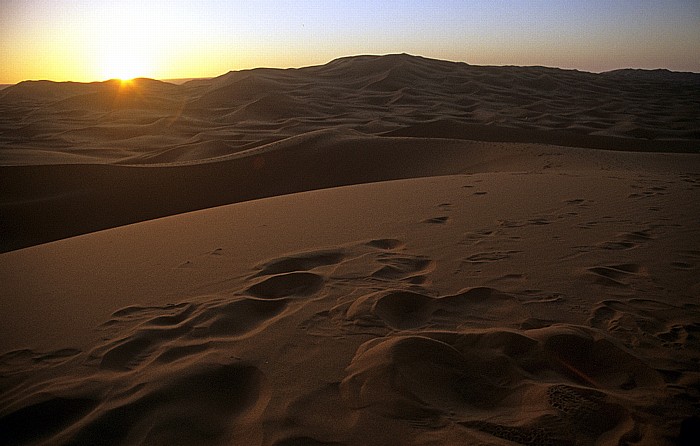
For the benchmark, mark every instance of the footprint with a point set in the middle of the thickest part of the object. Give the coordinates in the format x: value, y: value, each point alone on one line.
x: 437, y: 220
x: 509, y: 277
x: 237, y: 317
x: 381, y: 259
x: 401, y: 376
x: 681, y: 334
x: 403, y: 309
x: 491, y: 256
x: 641, y: 236
x: 588, y: 225
x: 386, y: 244
x: 511, y: 223
x: 690, y: 259
x: 580, y: 356
x: 481, y: 306
x: 472, y: 238
x: 627, y: 240
x: 602, y: 316
x: 536, y: 221
x: 407, y: 310
x: 296, y: 284
x: 585, y: 410
x: 129, y: 353
x: 203, y: 259
x: 617, y: 245
x: 648, y: 191
x: 638, y: 321
x: 616, y: 275
x: 524, y: 435
x: 300, y: 262
x: 403, y: 268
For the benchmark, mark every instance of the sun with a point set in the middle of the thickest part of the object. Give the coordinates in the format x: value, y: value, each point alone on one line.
x: 128, y: 46
x: 130, y: 39
x: 124, y: 63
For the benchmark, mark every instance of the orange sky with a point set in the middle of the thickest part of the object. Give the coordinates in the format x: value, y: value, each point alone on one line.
x: 97, y: 40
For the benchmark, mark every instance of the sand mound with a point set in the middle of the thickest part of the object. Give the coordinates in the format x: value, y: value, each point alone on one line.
x: 430, y: 378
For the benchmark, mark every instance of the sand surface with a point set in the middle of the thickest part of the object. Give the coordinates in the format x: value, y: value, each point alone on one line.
x: 417, y: 252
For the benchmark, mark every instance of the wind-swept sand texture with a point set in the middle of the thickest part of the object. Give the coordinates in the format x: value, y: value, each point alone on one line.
x: 495, y: 292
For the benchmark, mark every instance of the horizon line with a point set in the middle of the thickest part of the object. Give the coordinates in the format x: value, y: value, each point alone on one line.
x: 184, y: 79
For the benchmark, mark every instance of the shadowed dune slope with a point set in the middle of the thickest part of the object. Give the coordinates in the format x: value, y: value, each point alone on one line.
x: 44, y: 203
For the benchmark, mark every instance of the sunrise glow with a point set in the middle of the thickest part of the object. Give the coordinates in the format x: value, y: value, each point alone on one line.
x: 130, y: 42
x: 124, y: 66
x: 98, y: 40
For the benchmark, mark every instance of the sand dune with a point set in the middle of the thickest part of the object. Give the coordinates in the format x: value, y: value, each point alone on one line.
x: 383, y: 250
x: 563, y: 312
x: 654, y: 109
x: 156, y: 124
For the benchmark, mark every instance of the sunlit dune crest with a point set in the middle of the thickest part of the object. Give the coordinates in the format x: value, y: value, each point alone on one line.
x: 125, y: 82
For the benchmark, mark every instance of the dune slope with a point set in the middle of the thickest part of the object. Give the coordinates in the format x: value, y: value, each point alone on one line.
x: 536, y: 306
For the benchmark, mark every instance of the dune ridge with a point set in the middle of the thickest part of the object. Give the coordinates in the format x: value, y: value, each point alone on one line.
x: 629, y: 109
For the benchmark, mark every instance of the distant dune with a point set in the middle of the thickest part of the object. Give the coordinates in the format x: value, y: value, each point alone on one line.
x: 380, y: 250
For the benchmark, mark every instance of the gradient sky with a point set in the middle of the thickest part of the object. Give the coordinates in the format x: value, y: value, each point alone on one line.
x: 96, y: 40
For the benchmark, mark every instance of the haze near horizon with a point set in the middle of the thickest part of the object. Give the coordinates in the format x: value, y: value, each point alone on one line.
x: 89, y: 41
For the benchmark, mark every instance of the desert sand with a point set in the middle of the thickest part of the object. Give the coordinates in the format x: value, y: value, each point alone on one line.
x: 378, y: 251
